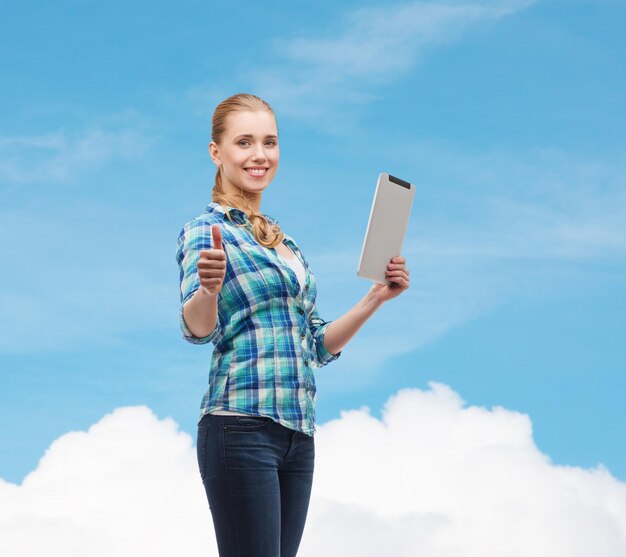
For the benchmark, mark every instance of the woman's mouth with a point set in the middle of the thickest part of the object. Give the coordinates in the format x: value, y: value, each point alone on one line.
x: 256, y: 172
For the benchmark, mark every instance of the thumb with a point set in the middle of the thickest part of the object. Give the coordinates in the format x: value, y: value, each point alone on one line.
x: 217, y: 236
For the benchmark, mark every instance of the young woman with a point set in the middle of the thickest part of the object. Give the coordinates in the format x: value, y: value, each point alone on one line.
x: 246, y: 287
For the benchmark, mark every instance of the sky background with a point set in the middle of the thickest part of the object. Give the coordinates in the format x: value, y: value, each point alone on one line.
x: 508, y: 116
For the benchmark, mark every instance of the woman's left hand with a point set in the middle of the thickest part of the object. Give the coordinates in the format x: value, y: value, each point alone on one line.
x: 398, y: 275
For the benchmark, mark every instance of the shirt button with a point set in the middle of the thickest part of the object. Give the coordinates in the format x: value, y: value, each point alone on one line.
x: 306, y: 363
x: 302, y: 336
x: 300, y: 311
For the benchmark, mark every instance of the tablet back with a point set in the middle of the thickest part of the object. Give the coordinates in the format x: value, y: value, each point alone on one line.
x: 388, y: 221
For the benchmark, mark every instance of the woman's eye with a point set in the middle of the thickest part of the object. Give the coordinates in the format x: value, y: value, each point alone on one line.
x: 245, y: 141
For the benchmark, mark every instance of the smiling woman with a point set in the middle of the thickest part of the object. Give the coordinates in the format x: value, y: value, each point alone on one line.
x: 245, y: 149
x: 246, y: 286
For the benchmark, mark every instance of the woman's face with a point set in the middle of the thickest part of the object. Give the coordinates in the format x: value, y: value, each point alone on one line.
x: 248, y: 153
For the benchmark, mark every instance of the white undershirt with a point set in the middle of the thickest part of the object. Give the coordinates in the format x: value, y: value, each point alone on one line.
x: 298, y: 268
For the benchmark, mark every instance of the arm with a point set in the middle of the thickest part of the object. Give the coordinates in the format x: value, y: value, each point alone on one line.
x: 200, y: 314
x: 199, y: 318
x: 341, y: 330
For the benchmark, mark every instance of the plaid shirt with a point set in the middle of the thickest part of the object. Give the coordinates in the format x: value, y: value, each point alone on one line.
x: 269, y: 335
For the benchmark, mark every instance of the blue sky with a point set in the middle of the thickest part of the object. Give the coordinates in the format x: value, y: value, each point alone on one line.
x: 508, y: 116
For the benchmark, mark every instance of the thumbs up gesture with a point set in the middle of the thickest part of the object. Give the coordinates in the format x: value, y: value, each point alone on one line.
x: 212, y: 264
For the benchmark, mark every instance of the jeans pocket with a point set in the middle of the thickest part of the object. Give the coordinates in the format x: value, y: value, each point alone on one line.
x: 246, y: 423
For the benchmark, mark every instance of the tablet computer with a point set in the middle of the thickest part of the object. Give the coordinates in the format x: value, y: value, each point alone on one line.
x: 386, y: 228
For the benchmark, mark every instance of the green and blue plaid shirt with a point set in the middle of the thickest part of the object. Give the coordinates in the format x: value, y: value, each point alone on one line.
x: 269, y: 335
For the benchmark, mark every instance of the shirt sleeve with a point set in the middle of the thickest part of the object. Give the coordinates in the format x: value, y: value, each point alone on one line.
x: 318, y: 327
x: 193, y: 238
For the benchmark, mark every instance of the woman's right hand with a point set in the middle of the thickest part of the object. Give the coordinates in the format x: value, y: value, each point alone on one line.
x: 212, y: 264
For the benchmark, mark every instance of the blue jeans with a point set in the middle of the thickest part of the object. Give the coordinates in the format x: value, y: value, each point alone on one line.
x: 257, y: 475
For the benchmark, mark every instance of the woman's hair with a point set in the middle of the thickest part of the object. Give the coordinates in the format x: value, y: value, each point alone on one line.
x: 266, y: 233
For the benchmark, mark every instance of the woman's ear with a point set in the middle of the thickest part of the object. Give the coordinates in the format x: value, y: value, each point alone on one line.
x: 214, y: 153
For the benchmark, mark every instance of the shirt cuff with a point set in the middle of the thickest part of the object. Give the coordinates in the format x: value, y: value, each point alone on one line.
x: 323, y: 355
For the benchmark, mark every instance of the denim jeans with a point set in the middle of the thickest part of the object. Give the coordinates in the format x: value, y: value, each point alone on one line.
x: 257, y: 475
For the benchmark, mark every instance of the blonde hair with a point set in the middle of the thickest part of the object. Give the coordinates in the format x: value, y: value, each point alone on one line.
x: 266, y: 233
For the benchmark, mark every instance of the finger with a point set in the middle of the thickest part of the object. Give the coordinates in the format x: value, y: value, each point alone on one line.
x: 212, y: 255
x: 204, y: 263
x: 397, y: 272
x: 395, y: 275
x: 210, y: 280
x: 217, y: 236
x: 399, y: 280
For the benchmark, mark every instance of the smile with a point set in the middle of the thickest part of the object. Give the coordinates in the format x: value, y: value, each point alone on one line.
x: 256, y: 171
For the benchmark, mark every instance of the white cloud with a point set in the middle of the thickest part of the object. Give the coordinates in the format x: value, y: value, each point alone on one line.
x: 127, y: 486
x: 335, y: 72
x: 434, y: 477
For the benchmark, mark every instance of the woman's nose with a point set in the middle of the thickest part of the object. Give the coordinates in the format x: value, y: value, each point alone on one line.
x: 259, y: 153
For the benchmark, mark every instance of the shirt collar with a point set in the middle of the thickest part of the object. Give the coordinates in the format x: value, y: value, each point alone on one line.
x: 237, y: 215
